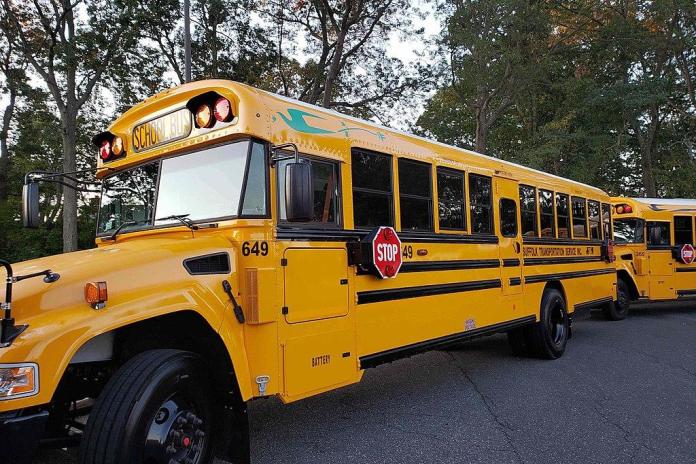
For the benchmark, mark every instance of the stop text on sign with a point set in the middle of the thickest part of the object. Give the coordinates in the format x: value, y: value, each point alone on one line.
x: 387, y: 252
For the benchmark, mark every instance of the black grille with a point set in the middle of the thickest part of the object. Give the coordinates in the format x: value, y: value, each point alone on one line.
x: 218, y: 263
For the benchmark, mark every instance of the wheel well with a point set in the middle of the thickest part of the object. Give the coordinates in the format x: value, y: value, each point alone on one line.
x: 556, y: 285
x: 632, y: 288
x: 91, y: 368
x: 184, y: 330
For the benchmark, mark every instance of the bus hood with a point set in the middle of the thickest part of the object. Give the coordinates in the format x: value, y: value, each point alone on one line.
x: 132, y: 270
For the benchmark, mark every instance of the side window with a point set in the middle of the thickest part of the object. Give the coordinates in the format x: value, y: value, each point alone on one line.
x: 481, y: 204
x: 415, y: 195
x: 683, y: 230
x: 508, y: 217
x: 372, y: 189
x: 450, y: 199
x: 606, y: 221
x: 548, y: 228
x: 658, y: 233
x: 255, y: 203
x: 325, y: 182
x: 579, y: 210
x: 563, y: 215
x: 594, y: 219
x: 528, y: 207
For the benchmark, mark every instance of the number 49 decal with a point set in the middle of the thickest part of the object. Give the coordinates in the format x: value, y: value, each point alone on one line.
x: 255, y: 248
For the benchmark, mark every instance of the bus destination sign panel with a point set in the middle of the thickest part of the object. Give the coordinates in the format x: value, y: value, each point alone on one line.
x: 164, y: 129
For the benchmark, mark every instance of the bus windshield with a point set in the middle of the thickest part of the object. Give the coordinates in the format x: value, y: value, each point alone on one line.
x: 629, y: 230
x: 202, y: 185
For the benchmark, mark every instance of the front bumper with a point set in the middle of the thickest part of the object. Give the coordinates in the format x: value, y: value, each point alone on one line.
x: 20, y: 435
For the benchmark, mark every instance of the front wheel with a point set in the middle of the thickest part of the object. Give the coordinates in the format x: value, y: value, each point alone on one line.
x: 548, y: 337
x: 156, y: 409
x: 619, y: 310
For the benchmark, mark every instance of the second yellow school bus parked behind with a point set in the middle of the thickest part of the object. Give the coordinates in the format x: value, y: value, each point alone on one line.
x: 654, y: 249
x: 251, y: 245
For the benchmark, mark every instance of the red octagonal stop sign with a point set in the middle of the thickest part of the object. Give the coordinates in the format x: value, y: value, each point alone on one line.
x: 686, y: 253
x: 386, y: 252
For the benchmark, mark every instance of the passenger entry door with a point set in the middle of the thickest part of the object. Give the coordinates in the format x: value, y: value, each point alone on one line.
x: 508, y: 228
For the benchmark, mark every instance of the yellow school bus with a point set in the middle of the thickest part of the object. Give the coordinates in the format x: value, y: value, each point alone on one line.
x: 251, y: 245
x: 654, y: 249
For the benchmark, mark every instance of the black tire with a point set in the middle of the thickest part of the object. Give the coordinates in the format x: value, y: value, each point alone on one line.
x: 548, y: 337
x: 157, y: 406
x: 617, y: 311
x: 518, y: 342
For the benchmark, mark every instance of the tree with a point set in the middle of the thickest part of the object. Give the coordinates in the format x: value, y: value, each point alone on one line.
x: 346, y: 44
x: 71, y: 56
x: 12, y: 69
x: 495, y: 53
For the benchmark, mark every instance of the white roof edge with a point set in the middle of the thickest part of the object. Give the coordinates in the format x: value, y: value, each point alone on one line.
x: 408, y: 134
x: 666, y: 201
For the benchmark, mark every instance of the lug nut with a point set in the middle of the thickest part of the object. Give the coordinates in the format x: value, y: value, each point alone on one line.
x: 200, y: 434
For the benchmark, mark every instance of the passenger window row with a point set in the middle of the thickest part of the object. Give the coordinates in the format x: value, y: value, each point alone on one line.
x: 461, y: 197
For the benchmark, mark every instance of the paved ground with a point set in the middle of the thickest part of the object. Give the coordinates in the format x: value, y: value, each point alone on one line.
x: 624, y: 392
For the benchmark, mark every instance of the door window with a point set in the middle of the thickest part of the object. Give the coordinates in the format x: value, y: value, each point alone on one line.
x: 508, y: 217
x: 325, y: 182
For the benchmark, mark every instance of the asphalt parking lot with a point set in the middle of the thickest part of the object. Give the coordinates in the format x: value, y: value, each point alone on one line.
x: 625, y: 392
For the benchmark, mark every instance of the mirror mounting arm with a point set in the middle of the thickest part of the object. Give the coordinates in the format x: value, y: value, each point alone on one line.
x: 275, y: 158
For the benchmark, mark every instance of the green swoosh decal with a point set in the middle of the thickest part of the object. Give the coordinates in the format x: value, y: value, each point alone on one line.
x: 296, y: 119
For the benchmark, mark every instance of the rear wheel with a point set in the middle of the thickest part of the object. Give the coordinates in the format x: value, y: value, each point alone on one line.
x: 619, y: 310
x: 156, y: 409
x: 548, y: 337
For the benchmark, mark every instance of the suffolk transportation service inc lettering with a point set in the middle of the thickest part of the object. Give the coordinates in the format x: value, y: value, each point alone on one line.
x: 557, y: 251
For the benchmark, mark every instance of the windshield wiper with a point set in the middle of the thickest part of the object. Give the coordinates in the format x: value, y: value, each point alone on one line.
x: 120, y: 228
x: 182, y: 218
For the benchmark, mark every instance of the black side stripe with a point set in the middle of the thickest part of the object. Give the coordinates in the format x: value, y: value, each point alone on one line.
x: 374, y: 296
x: 342, y: 235
x: 567, y: 275
x: 659, y: 247
x: 686, y: 269
x: 572, y: 259
x: 559, y: 241
x: 420, y: 266
x: 374, y: 360
x: 419, y: 237
x: 513, y: 262
x: 686, y: 293
x: 592, y: 304
x: 515, y: 281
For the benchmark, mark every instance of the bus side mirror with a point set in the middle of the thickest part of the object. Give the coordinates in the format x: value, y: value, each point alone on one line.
x: 299, y: 192
x: 30, y: 205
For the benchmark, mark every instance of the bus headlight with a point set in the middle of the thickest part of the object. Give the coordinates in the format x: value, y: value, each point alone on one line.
x: 18, y: 380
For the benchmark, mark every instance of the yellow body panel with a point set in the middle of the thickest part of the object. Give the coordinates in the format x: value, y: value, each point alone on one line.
x: 655, y: 272
x: 338, y: 319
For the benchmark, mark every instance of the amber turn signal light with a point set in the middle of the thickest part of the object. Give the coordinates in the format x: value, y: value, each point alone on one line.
x: 96, y: 294
x: 204, y: 116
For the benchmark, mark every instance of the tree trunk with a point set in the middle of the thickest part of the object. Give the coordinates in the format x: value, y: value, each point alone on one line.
x: 334, y: 69
x: 4, y: 153
x: 648, y: 177
x: 69, y: 195
x: 481, y: 132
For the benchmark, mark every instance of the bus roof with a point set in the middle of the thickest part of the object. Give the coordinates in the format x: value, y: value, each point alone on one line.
x: 453, y: 150
x: 274, y: 127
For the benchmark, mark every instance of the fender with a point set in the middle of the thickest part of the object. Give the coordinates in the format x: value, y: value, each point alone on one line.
x: 56, y: 336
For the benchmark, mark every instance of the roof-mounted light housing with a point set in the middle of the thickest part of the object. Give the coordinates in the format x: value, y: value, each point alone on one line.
x: 110, y: 146
x: 210, y: 109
